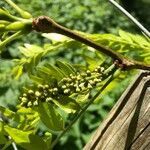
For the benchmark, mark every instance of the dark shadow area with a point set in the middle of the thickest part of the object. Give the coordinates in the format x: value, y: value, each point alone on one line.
x: 140, y: 9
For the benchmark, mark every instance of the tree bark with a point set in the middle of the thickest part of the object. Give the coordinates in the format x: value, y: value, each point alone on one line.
x: 128, y: 124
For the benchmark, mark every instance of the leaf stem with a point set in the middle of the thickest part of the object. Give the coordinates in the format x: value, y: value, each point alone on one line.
x: 13, y: 144
x: 78, y: 115
x: 9, y: 39
x: 23, y: 13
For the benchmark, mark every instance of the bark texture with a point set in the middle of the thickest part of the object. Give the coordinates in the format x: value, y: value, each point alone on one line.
x: 128, y: 124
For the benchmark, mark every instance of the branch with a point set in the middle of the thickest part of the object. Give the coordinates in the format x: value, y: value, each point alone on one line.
x: 45, y: 24
x: 138, y: 24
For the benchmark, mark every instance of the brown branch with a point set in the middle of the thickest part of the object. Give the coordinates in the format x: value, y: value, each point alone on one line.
x: 45, y: 24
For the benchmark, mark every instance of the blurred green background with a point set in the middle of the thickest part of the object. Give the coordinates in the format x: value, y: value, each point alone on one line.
x: 91, y: 16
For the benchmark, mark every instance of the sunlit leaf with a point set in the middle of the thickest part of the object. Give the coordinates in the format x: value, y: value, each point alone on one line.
x: 66, y: 68
x: 17, y: 71
x: 50, y: 117
x: 67, y: 104
x: 6, y: 112
x: 26, y: 139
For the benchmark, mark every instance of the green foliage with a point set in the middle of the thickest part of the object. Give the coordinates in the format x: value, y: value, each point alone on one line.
x: 21, y: 129
x: 134, y: 46
x: 56, y: 91
x: 82, y: 131
x: 46, y: 85
x: 130, y: 45
x: 50, y: 117
x: 88, y: 16
x: 25, y: 139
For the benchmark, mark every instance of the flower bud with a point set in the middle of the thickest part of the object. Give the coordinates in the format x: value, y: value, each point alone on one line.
x: 15, y: 26
x: 96, y: 80
x: 24, y: 94
x: 48, y: 99
x: 64, y: 87
x: 67, y: 85
x: 88, y: 72
x: 40, y: 87
x: 71, y: 84
x: 82, y: 86
x: 77, y: 89
x: 96, y: 70
x: 79, y: 77
x: 89, y: 86
x: 66, y: 91
x: 24, y: 100
x: 102, y: 69
x: 71, y: 75
x: 37, y: 93
x: 76, y: 84
x: 73, y: 78
x: 25, y: 15
x: 22, y: 103
x: 91, y: 82
x: 46, y: 86
x: 31, y: 92
x: 69, y: 80
x: 64, y: 79
x: 29, y: 104
x: 35, y: 103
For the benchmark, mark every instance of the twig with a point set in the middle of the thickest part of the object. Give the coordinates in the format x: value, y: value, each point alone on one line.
x: 9, y: 39
x: 83, y: 110
x: 13, y: 144
x: 45, y: 24
x: 6, y: 120
x: 138, y: 24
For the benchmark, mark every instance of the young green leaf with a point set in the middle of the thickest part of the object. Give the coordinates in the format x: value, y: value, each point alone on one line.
x: 36, y: 79
x: 125, y: 36
x: 66, y: 68
x: 26, y: 139
x: 17, y: 71
x: 6, y: 112
x: 52, y: 71
x: 67, y: 104
x: 50, y: 117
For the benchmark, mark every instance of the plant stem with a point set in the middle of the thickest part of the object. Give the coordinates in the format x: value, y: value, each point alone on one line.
x: 23, y: 13
x: 13, y: 5
x: 13, y: 144
x: 83, y: 110
x: 138, y: 24
x: 9, y: 39
x: 47, y: 25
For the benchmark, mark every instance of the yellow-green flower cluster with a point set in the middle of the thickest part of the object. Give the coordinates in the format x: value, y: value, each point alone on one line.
x: 79, y: 83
